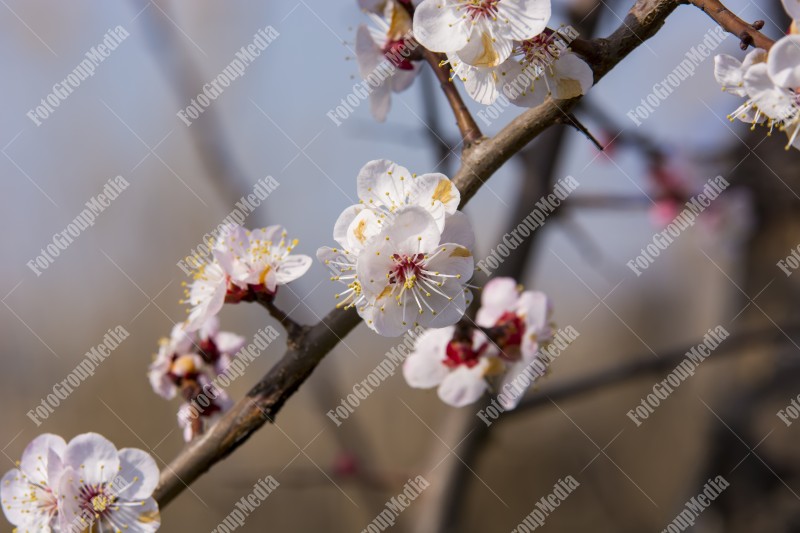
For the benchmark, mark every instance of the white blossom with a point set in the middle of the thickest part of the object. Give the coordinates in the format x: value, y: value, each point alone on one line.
x: 481, y: 32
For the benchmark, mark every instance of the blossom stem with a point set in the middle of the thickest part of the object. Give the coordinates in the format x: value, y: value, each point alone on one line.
x: 292, y: 328
x: 470, y: 132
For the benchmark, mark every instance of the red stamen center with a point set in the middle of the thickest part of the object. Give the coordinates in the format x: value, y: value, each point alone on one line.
x: 405, y: 267
x: 482, y: 8
x: 394, y: 53
x: 461, y: 353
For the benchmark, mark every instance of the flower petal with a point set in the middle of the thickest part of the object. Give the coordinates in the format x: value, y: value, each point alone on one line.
x: 573, y: 76
x: 449, y: 308
x: 523, y: 19
x: 35, y: 458
x: 458, y: 230
x: 437, y: 194
x: 380, y: 102
x: 499, y: 296
x: 368, y: 54
x: 425, y: 368
x: 342, y: 224
x: 485, y: 51
x: 775, y: 102
x: 438, y: 26
x: 362, y: 229
x: 138, y: 473
x: 464, y: 386
x: 292, y: 267
x: 783, y: 62
x: 93, y: 456
x: 229, y: 343
x: 381, y: 182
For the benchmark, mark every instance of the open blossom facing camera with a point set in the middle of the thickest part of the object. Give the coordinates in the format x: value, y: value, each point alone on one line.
x: 105, y: 489
x: 247, y: 265
x: 463, y: 361
x: 86, y: 485
x: 481, y: 32
x: 410, y: 278
x: 382, y: 53
x: 405, y: 251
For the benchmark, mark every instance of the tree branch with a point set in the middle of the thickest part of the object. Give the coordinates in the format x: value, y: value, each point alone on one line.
x: 293, y: 329
x: 640, y: 366
x: 260, y: 405
x: 469, y: 129
x: 748, y: 33
x: 470, y: 132
x: 480, y: 161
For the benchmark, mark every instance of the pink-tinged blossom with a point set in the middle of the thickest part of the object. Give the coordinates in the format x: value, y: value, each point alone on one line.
x: 105, y: 489
x: 29, y: 493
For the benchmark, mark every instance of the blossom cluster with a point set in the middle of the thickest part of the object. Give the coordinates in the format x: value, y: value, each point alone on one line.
x: 405, y: 252
x: 495, y: 47
x: 245, y: 266
x: 188, y: 362
x: 84, y: 485
x: 503, y: 46
x: 770, y: 82
x: 464, y: 361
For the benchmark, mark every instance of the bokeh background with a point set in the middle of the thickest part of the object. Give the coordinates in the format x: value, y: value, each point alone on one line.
x: 272, y: 122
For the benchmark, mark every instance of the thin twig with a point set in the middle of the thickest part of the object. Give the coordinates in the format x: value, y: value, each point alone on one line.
x: 644, y: 365
x: 470, y: 132
x: 294, y: 329
x: 746, y: 32
x: 571, y: 120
